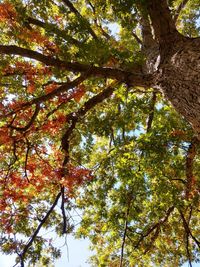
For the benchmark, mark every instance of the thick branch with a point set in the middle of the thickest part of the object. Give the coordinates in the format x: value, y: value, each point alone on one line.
x: 136, y: 78
x: 162, y: 22
x: 148, y: 41
x: 150, y: 47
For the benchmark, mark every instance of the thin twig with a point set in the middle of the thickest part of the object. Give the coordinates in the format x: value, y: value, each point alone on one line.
x: 30, y: 123
x: 125, y: 233
x: 64, y: 231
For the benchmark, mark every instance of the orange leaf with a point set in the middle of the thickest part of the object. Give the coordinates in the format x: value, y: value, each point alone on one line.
x: 80, y: 91
x: 50, y: 87
x: 7, y: 12
x: 31, y: 88
x: 4, y: 136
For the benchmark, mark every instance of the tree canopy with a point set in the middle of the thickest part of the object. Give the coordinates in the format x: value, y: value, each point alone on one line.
x: 100, y: 111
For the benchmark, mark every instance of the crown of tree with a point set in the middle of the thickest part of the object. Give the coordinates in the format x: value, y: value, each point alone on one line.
x: 100, y: 111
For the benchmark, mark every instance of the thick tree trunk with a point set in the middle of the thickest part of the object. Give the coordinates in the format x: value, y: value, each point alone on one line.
x: 179, y: 79
x: 178, y: 74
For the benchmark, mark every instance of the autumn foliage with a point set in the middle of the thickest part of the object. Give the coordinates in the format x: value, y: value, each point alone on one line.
x: 84, y: 124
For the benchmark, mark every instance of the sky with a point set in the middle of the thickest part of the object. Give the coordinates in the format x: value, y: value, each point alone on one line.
x: 75, y: 254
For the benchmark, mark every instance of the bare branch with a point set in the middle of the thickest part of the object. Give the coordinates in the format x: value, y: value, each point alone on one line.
x: 64, y: 231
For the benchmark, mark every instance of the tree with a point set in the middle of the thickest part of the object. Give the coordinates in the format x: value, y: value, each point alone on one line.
x: 106, y: 122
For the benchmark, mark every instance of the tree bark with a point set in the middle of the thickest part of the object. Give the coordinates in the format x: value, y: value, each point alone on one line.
x: 177, y: 75
x: 179, y: 79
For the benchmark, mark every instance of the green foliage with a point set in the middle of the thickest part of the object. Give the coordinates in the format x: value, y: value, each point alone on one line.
x: 116, y: 150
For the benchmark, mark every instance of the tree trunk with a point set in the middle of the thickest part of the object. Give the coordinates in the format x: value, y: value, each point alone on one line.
x: 178, y: 74
x: 179, y: 79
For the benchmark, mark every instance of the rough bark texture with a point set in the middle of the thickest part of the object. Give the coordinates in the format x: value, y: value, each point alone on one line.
x: 179, y: 79
x: 178, y: 72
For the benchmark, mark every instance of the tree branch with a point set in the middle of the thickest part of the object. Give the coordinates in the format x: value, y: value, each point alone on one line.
x: 162, y: 22
x: 187, y: 229
x: 137, y: 38
x: 149, y: 45
x: 148, y: 41
x: 125, y: 232
x: 54, y: 29
x: 179, y: 9
x: 76, y: 12
x: 64, y: 231
x: 29, y: 124
x: 191, y: 153
x: 74, y: 117
x: 136, y: 78
x: 32, y: 239
x: 155, y: 226
x: 151, y: 113
x: 63, y: 88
